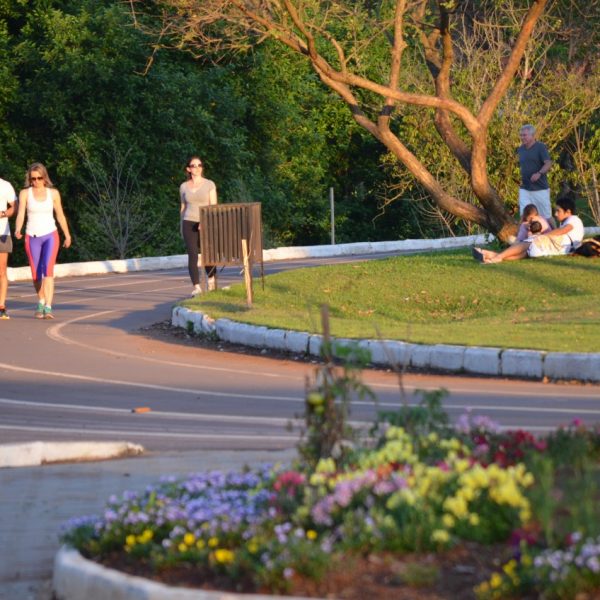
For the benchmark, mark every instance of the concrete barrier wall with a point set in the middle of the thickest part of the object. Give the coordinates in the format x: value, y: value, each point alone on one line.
x: 179, y: 261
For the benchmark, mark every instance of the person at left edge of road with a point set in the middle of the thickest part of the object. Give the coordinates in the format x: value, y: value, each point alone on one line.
x: 195, y: 192
x: 40, y: 200
x: 7, y: 209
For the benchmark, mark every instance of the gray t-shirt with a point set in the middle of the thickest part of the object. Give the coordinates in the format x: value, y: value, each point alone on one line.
x: 194, y: 199
x: 531, y: 160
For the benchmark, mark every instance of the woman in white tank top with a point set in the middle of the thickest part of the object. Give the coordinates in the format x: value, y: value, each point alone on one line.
x: 40, y: 201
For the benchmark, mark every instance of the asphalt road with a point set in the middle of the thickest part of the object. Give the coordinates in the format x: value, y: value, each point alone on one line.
x: 80, y: 376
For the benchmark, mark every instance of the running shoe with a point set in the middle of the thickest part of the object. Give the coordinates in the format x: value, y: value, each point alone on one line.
x: 212, y: 284
x: 197, y: 290
x: 4, y: 314
x: 39, y: 311
x: 48, y: 314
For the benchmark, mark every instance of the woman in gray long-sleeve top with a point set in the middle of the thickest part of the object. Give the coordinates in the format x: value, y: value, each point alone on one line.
x: 195, y: 192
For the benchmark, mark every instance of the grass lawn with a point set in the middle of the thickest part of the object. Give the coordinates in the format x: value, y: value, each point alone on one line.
x: 442, y: 297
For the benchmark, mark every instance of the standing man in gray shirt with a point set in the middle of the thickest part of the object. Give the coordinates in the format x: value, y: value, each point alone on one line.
x: 535, y: 163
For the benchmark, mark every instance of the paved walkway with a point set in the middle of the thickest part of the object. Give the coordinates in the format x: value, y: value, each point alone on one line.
x: 35, y: 501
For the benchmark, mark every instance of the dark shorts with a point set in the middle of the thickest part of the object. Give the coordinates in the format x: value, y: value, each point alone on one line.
x: 6, y: 244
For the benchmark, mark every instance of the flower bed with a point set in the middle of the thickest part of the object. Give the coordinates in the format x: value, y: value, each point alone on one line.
x: 455, y: 511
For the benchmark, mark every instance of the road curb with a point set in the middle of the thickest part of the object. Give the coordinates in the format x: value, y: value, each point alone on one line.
x: 76, y: 577
x: 495, y: 362
x: 39, y: 453
x: 179, y: 261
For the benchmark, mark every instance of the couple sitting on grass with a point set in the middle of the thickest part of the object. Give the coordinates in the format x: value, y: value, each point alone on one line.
x: 534, y: 241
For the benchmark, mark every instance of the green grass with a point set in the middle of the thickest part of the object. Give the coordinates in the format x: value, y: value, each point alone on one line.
x: 444, y: 297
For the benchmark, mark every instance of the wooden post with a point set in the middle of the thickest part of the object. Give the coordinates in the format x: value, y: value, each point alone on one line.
x: 247, y: 273
x: 203, y: 278
x: 327, y: 349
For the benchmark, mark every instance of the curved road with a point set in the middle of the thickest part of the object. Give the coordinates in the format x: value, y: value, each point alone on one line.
x: 80, y: 376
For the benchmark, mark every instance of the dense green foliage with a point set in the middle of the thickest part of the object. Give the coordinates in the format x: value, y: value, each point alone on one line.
x: 114, y: 116
x: 81, y: 94
x: 441, y: 297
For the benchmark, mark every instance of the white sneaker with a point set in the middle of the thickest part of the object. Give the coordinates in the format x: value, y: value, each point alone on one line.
x: 212, y: 284
x: 197, y: 290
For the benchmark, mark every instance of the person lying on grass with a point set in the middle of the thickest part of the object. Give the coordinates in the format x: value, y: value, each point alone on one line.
x: 562, y: 240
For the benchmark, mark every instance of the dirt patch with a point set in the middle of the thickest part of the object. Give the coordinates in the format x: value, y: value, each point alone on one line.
x: 446, y: 576
x: 165, y: 332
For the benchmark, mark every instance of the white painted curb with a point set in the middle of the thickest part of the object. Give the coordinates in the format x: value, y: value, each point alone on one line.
x: 76, y: 578
x: 38, y: 453
x: 525, y: 364
x: 179, y: 261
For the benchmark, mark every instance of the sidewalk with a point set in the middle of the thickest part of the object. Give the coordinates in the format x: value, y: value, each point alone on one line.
x: 36, y: 501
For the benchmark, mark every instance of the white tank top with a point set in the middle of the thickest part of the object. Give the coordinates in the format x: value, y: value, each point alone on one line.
x: 40, y: 214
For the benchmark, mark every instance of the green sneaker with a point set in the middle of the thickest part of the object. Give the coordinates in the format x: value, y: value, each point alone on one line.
x: 3, y: 314
x: 48, y: 314
x: 39, y: 311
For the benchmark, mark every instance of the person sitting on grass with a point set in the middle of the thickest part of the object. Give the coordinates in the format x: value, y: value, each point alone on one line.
x: 529, y: 216
x: 563, y: 240
x: 535, y: 229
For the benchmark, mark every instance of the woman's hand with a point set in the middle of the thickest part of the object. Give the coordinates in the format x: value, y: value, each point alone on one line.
x: 18, y: 235
x: 67, y: 242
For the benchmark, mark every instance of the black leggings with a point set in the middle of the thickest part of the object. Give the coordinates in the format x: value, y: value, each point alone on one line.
x: 191, y: 237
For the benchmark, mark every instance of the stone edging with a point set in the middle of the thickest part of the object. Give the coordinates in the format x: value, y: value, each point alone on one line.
x: 76, y: 578
x: 526, y: 364
x: 38, y: 453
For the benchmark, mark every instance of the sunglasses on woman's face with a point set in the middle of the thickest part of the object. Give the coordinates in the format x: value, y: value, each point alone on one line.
x: 36, y: 178
x: 195, y: 166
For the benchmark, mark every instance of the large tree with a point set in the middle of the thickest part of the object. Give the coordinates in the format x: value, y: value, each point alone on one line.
x: 365, y: 51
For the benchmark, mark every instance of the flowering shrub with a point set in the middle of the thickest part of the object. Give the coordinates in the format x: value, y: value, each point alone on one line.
x: 418, y: 485
x: 552, y: 573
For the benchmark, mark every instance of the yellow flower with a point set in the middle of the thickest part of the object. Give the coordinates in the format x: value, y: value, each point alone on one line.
x: 474, y: 519
x: 223, y: 555
x: 440, y: 535
x: 448, y: 521
x: 130, y: 540
x: 482, y: 588
x: 189, y: 539
x: 252, y: 547
x: 182, y: 547
x: 461, y: 465
x: 326, y: 465
x: 146, y: 536
x: 200, y: 544
x: 509, y: 567
x: 311, y: 534
x: 457, y: 506
x: 495, y: 581
x: 213, y: 542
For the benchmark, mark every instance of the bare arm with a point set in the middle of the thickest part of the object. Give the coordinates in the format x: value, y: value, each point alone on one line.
x: 182, y: 199
x: 212, y: 196
x: 560, y: 230
x: 543, y: 170
x: 21, y: 214
x: 10, y: 210
x: 60, y: 217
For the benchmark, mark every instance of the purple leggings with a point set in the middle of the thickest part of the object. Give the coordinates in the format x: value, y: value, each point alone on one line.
x: 42, y: 252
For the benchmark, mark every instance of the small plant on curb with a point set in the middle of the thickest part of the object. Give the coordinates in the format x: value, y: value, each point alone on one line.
x: 328, y: 397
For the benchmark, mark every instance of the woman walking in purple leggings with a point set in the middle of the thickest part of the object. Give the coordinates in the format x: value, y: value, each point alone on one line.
x: 40, y: 201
